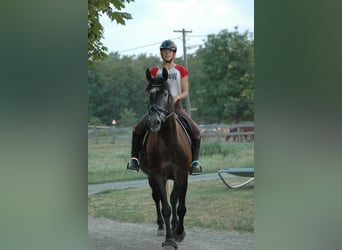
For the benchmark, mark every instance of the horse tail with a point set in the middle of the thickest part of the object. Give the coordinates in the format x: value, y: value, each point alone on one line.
x: 167, y: 189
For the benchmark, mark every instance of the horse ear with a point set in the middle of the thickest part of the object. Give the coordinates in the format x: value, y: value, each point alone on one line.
x: 148, y: 75
x: 165, y: 74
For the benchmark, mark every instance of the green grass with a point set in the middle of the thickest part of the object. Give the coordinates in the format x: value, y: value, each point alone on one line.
x: 107, y: 161
x: 210, y: 205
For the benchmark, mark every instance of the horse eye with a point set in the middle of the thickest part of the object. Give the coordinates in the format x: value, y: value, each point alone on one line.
x: 165, y: 94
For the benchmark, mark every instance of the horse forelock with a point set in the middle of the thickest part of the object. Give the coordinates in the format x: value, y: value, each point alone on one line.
x: 157, y: 83
x: 154, y: 89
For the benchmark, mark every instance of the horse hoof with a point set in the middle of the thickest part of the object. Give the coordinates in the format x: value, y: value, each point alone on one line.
x: 169, y: 248
x: 180, y: 237
x: 169, y: 244
x: 161, y: 232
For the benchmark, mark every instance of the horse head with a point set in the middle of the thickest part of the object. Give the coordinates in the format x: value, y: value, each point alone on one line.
x: 160, y: 100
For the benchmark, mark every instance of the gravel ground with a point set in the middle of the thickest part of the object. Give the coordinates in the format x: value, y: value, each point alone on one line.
x: 105, y: 234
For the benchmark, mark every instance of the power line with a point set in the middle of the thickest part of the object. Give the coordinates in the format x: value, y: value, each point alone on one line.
x: 198, y: 35
x: 141, y: 47
x: 156, y: 43
x: 145, y: 46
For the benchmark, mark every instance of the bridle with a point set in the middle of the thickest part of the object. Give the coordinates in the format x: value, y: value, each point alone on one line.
x: 163, y: 114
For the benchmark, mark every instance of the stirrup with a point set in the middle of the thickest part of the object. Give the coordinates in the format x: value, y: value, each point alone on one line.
x: 133, y: 164
x: 196, y: 169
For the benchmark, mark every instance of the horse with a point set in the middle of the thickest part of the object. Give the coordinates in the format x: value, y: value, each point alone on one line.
x: 238, y: 137
x: 166, y: 155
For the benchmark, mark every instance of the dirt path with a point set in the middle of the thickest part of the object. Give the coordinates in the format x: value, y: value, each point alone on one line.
x: 96, y: 188
x: 104, y: 234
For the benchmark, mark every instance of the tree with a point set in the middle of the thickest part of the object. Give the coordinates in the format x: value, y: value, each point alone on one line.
x: 128, y: 118
x: 227, y: 64
x: 118, y: 83
x: 96, y: 49
x: 221, y: 78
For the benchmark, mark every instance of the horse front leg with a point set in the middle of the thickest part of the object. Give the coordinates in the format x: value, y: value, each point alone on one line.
x: 179, y: 234
x: 157, y: 200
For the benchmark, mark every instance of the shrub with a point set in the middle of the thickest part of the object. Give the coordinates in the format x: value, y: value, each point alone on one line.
x: 211, y: 148
x: 94, y: 121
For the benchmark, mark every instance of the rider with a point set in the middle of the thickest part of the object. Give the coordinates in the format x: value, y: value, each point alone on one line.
x: 178, y: 81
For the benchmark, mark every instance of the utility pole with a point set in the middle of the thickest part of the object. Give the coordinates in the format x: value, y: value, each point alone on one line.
x: 187, y: 99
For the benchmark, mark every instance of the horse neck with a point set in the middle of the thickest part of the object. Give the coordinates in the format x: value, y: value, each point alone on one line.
x: 169, y: 127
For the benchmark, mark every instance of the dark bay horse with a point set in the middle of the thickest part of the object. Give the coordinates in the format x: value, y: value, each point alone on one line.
x: 166, y: 156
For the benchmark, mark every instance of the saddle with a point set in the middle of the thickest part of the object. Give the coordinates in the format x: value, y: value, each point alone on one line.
x: 183, y: 122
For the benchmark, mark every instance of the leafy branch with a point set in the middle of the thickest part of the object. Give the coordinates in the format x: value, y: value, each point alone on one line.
x: 111, y: 8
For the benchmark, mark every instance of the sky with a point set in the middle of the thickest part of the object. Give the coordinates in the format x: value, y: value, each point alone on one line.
x: 155, y: 21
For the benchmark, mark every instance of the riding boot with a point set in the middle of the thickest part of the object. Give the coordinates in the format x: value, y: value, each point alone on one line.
x: 133, y: 163
x: 196, y: 169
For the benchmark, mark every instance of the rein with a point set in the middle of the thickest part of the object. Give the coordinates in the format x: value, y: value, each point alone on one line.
x: 161, y: 112
x: 169, y: 115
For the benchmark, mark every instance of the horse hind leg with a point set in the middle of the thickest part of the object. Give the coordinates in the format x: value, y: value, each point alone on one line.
x: 160, y: 221
x: 169, y: 243
x: 173, y: 201
x: 179, y: 233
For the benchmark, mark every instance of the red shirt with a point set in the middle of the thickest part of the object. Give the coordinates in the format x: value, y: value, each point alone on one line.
x: 176, y: 73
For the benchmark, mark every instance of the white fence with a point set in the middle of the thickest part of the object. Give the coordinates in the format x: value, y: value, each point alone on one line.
x: 242, y: 132
x: 102, y: 133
